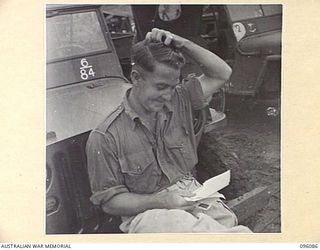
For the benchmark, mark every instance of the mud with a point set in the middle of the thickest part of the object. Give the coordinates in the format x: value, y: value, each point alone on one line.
x: 249, y: 145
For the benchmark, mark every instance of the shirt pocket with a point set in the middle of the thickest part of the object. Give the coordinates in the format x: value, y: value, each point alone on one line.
x: 181, y: 152
x: 140, y: 171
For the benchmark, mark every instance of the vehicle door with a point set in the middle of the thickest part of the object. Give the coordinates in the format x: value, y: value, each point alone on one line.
x: 256, y: 62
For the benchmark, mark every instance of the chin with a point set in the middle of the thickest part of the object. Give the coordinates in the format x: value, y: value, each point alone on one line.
x: 156, y: 108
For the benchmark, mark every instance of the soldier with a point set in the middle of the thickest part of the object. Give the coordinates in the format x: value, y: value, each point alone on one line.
x: 141, y: 156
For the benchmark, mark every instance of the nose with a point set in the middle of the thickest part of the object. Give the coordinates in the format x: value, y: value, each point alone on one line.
x: 166, y: 95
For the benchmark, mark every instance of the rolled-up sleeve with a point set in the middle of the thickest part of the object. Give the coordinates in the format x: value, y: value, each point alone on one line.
x: 104, y: 172
x: 192, y: 87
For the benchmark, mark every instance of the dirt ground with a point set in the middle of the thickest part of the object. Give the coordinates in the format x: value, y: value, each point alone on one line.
x: 250, y: 145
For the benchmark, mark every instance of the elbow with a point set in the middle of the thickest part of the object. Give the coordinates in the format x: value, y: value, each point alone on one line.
x: 108, y: 209
x: 227, y: 73
x: 117, y: 207
x: 112, y: 207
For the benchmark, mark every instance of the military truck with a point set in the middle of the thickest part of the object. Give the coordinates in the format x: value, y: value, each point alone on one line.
x: 85, y: 81
x: 247, y: 37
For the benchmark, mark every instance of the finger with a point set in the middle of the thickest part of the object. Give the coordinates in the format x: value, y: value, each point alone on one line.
x: 188, y: 194
x: 191, y: 203
x: 155, y: 30
x: 148, y: 37
x: 159, y: 35
x: 188, y: 208
x: 185, y: 193
x: 153, y: 35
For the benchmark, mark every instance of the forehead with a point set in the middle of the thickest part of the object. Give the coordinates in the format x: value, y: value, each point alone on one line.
x: 163, y: 73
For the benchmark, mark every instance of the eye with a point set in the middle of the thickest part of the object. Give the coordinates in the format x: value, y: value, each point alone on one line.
x: 163, y: 87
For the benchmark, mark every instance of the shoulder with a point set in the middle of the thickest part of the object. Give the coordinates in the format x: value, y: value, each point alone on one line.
x: 188, y: 82
x: 191, y: 79
x: 104, y: 126
x: 190, y: 89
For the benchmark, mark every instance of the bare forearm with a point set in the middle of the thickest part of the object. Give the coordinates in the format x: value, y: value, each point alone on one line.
x: 212, y: 66
x: 128, y: 204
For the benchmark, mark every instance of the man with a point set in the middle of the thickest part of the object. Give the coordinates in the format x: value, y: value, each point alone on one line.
x: 141, y: 156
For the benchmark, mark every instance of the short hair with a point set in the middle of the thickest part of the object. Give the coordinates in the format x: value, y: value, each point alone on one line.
x: 145, y: 54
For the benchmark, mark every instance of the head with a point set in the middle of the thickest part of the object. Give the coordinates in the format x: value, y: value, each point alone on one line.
x: 155, y: 74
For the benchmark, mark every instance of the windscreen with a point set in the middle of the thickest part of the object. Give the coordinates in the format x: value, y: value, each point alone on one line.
x: 74, y: 34
x: 243, y: 12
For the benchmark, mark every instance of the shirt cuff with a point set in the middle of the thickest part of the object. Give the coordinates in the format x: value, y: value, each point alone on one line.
x: 103, y: 196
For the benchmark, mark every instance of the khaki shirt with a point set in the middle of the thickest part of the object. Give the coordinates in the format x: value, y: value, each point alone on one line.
x: 124, y: 156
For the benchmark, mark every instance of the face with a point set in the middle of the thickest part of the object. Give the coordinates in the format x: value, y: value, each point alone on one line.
x: 154, y: 89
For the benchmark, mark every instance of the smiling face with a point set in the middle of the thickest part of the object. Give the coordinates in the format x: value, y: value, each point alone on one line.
x: 153, y: 89
x: 155, y: 73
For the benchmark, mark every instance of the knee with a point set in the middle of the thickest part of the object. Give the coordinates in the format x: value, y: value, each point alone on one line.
x: 161, y: 221
x: 167, y: 217
x: 244, y: 229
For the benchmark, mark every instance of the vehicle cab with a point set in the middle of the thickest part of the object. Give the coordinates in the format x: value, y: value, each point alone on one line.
x: 84, y: 83
x: 248, y: 37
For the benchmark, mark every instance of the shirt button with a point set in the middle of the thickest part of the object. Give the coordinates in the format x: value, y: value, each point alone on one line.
x: 139, y: 169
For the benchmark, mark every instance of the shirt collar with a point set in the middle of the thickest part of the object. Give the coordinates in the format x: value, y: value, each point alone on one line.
x: 134, y: 117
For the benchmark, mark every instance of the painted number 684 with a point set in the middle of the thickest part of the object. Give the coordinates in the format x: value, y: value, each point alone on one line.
x: 86, y: 70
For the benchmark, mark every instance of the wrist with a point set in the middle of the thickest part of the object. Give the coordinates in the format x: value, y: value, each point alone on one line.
x: 179, y: 42
x: 160, y: 199
x: 186, y: 45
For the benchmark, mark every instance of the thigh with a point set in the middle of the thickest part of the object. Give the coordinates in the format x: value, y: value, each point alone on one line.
x: 219, y: 212
x: 177, y: 221
x: 162, y: 221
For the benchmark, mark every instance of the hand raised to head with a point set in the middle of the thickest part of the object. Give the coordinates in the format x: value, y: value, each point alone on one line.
x: 166, y: 37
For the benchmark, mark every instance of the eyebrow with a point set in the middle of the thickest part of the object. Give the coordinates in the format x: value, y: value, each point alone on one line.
x: 161, y: 84
x: 164, y: 84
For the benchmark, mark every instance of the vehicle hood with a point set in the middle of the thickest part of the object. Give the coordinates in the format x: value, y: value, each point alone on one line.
x: 76, y: 109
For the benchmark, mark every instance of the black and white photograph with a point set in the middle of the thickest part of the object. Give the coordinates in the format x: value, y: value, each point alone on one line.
x: 163, y: 118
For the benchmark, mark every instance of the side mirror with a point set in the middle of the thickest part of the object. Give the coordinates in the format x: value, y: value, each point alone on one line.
x: 168, y: 12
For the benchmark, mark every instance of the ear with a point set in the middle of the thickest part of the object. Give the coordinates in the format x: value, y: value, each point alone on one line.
x: 135, y: 77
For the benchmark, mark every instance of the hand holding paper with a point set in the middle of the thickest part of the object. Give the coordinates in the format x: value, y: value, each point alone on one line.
x: 210, y: 187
